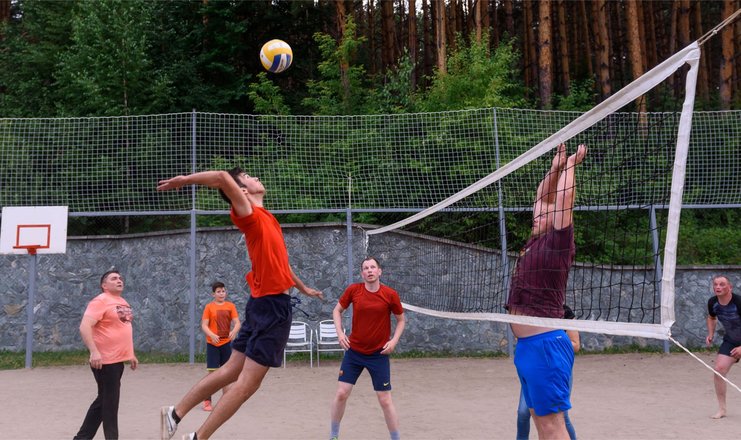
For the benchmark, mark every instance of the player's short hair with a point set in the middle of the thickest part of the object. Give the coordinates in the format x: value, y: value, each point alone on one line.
x: 234, y: 172
x: 724, y: 277
x: 217, y: 285
x: 105, y: 275
x: 378, y: 263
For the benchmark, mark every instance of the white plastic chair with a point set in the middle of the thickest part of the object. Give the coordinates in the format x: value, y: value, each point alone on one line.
x: 300, y: 340
x: 327, y: 340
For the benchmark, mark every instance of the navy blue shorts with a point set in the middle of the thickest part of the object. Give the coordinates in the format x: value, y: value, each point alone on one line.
x: 378, y: 366
x: 264, y: 332
x: 217, y: 356
x: 544, y: 363
x: 726, y: 347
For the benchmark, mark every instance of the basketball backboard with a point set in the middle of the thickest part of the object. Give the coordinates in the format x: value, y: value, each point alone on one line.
x: 33, y: 229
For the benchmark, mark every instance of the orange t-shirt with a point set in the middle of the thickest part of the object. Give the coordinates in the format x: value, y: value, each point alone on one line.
x: 270, y: 274
x: 112, y: 334
x: 220, y: 317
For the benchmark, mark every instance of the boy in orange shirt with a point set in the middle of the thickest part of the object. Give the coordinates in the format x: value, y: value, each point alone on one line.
x: 220, y: 323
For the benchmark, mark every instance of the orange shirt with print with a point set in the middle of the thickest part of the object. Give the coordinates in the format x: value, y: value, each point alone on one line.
x: 270, y: 274
x: 112, y: 333
x: 220, y: 317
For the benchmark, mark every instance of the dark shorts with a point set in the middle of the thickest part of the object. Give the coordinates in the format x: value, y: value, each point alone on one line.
x: 726, y: 347
x: 544, y: 363
x: 264, y: 332
x: 217, y: 356
x: 378, y: 366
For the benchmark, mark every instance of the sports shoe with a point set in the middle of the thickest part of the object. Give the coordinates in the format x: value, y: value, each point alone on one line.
x: 168, y: 425
x: 191, y: 436
x: 207, y: 405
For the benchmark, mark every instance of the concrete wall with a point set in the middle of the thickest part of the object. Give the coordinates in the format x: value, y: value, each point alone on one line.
x: 156, y: 268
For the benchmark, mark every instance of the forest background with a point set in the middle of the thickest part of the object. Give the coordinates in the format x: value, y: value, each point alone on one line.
x: 80, y: 58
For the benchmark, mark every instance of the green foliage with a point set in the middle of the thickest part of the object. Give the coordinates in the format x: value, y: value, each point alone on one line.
x: 709, y: 237
x: 396, y: 94
x: 267, y: 97
x: 581, y: 97
x: 342, y: 88
x: 477, y: 78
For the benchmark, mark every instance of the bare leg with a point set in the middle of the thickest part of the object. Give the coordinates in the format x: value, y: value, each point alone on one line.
x: 340, y: 401
x: 551, y: 426
x: 211, y: 383
x: 722, y: 365
x: 247, y: 383
x: 389, y: 411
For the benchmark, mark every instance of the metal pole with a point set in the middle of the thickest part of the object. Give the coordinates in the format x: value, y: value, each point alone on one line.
x: 30, y: 306
x: 348, y: 220
x: 192, y: 299
x: 503, y: 238
x: 657, y: 258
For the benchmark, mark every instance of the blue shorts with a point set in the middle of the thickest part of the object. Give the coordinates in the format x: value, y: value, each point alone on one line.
x: 378, y: 366
x: 544, y: 364
x: 217, y: 356
x: 264, y: 332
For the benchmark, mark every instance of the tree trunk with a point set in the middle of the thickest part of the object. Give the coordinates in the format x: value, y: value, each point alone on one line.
x: 649, y: 32
x: 683, y: 23
x: 440, y: 34
x: 427, y: 37
x: 341, y: 21
x: 509, y: 19
x: 451, y: 22
x: 477, y: 20
x: 413, y: 42
x: 529, y: 50
x: 587, y: 37
x: 373, y: 58
x: 388, y: 34
x: 563, y: 48
x: 634, y: 48
x: 726, y: 59
x: 602, y: 48
x: 4, y: 11
x: 702, y: 73
x: 545, y: 53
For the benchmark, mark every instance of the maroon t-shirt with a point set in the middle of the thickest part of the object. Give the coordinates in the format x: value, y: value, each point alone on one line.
x: 539, y: 281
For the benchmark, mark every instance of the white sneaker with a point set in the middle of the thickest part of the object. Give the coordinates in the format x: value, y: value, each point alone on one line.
x: 168, y: 425
x: 190, y: 436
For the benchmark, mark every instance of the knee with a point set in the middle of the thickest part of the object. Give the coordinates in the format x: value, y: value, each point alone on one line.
x: 385, y: 400
x: 342, y: 394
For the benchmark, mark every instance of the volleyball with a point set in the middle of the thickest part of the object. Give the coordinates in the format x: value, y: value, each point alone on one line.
x: 276, y: 56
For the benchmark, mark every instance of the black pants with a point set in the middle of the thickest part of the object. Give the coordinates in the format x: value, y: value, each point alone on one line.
x: 104, y: 408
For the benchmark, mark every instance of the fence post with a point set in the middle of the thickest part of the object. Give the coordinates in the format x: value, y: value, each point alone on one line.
x: 657, y: 257
x: 192, y: 299
x: 348, y: 221
x: 503, y: 235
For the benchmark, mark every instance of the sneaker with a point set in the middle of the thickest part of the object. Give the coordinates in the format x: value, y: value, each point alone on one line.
x: 207, y: 405
x: 191, y: 436
x: 168, y: 425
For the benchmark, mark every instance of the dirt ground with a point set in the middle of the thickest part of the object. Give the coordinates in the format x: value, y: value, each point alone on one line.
x: 632, y: 396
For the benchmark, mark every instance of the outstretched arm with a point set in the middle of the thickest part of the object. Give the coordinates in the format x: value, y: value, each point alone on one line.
x: 213, y: 179
x: 566, y: 190
x: 547, y: 187
x: 308, y: 291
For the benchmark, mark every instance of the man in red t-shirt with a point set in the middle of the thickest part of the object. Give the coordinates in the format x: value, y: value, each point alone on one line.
x: 369, y: 343
x: 107, y: 333
x: 267, y: 319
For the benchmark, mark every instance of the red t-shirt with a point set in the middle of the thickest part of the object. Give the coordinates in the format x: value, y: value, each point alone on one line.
x: 112, y: 333
x: 371, y: 316
x: 539, y: 280
x: 220, y: 317
x: 270, y: 274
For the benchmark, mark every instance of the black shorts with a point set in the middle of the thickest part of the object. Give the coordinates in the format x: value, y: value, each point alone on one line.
x: 264, y: 332
x: 217, y: 356
x: 726, y: 347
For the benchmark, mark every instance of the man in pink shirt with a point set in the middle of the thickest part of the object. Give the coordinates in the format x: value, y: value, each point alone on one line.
x: 107, y: 333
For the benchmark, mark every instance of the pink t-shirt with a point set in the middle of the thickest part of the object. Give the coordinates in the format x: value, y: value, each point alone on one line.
x: 112, y: 334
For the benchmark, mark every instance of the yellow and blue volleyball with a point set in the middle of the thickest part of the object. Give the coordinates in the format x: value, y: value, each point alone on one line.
x: 276, y: 56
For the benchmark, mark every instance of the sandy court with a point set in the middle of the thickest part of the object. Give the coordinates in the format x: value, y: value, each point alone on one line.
x: 632, y: 396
